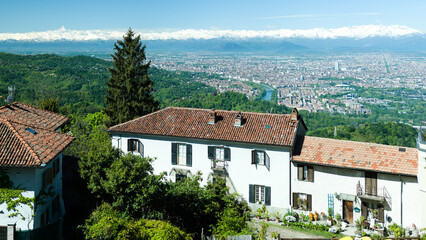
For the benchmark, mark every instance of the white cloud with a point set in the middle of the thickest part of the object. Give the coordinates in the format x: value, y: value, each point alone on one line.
x: 357, y: 32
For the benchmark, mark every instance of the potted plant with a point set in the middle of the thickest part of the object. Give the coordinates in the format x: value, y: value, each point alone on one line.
x: 277, y: 216
x: 311, y: 216
x: 267, y: 215
x: 259, y: 213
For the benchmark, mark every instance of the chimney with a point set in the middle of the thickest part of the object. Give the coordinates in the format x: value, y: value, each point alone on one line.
x: 238, y: 120
x: 294, y: 115
x: 212, y: 116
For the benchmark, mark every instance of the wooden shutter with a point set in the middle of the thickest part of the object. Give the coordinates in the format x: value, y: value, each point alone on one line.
x: 295, y: 196
x: 268, y: 196
x: 43, y: 180
x: 310, y: 173
x: 140, y: 148
x: 267, y: 161
x: 253, y: 157
x: 300, y: 173
x: 309, y: 202
x: 251, y: 193
x: 129, y: 145
x: 381, y: 214
x: 174, y: 153
x: 227, y: 153
x: 58, y: 164
x: 211, y: 152
x: 364, y: 211
x: 49, y: 176
x: 189, y: 155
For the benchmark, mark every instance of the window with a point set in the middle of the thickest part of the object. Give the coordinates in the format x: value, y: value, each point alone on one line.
x: 302, y: 201
x: 180, y: 177
x: 219, y: 153
x: 134, y: 145
x: 260, y: 194
x: 55, y: 167
x: 305, y: 173
x: 260, y: 158
x: 182, y: 154
x: 47, y: 177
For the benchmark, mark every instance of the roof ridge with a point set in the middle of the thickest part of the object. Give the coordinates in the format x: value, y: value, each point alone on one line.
x: 365, y: 143
x: 44, y: 110
x: 244, y: 112
x: 33, y: 153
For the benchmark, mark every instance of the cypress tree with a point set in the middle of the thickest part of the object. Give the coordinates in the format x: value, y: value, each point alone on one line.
x: 129, y: 89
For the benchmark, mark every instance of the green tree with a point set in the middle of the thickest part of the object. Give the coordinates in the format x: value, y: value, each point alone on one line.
x: 129, y: 90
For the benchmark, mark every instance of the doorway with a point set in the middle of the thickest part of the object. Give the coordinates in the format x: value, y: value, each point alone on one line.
x: 348, y: 211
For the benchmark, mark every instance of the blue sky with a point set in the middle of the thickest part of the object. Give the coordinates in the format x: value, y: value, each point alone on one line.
x: 19, y: 16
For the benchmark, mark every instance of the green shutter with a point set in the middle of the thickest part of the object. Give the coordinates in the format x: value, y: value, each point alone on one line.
x: 251, y: 193
x: 268, y: 196
x: 227, y: 154
x: 267, y: 161
x: 211, y: 152
x: 253, y: 157
x: 174, y: 153
x: 189, y: 155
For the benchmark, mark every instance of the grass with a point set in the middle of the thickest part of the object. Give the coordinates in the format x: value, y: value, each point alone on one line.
x: 324, y: 234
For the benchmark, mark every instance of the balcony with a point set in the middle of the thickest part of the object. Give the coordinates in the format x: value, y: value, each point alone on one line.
x: 374, y: 194
x: 219, y: 165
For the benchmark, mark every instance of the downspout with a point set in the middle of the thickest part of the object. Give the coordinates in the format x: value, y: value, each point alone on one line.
x: 402, y: 187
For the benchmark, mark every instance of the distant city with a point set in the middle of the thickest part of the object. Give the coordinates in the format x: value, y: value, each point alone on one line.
x: 312, y: 83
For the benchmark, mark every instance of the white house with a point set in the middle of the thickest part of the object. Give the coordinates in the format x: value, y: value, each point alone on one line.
x: 31, y: 154
x: 251, y: 150
x: 267, y: 159
x: 354, y: 177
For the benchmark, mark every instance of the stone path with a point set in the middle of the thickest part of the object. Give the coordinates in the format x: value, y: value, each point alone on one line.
x: 284, y: 232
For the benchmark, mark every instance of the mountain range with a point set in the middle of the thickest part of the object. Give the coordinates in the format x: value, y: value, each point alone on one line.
x: 350, y: 39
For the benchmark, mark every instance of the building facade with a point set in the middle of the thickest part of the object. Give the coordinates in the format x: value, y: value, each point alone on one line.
x: 267, y: 159
x: 31, y: 156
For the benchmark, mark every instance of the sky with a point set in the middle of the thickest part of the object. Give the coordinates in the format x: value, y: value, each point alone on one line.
x: 23, y: 16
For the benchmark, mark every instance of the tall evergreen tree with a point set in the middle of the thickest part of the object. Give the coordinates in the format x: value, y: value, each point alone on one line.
x: 129, y: 90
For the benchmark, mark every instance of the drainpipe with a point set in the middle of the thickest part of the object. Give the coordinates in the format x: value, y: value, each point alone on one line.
x: 402, y: 187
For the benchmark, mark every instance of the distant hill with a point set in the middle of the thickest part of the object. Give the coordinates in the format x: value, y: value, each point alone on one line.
x: 294, y: 46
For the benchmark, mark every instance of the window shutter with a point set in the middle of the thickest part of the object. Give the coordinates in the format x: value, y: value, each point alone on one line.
x: 189, y: 155
x: 43, y: 180
x: 253, y: 157
x: 129, y: 145
x: 251, y: 193
x: 268, y: 196
x: 49, y: 176
x: 295, y: 196
x: 310, y: 173
x: 267, y: 161
x: 58, y: 164
x: 227, y: 154
x: 381, y: 214
x: 211, y: 152
x: 174, y: 153
x: 300, y: 172
x: 140, y: 148
x: 309, y: 202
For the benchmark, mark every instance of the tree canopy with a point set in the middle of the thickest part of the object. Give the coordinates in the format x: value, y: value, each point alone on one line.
x: 129, y: 89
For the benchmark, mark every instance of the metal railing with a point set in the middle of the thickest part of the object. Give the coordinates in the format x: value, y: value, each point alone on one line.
x: 379, y: 192
x: 219, y: 165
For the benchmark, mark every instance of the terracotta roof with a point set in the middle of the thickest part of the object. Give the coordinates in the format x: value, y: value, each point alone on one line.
x: 259, y: 128
x: 20, y: 147
x: 357, y: 155
x: 32, y: 116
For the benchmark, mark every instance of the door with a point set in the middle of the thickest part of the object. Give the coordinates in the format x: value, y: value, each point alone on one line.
x: 348, y: 211
x: 371, y: 183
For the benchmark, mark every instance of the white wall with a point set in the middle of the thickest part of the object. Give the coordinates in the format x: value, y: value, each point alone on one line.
x: 421, y: 145
x: 241, y: 171
x: 338, y: 180
x: 30, y: 179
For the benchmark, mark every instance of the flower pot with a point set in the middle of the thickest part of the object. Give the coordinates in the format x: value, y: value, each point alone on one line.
x: 316, y: 216
x: 311, y: 216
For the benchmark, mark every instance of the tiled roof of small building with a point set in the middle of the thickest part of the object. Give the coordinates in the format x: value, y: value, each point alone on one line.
x: 27, y: 136
x: 32, y: 116
x: 357, y: 155
x: 258, y: 128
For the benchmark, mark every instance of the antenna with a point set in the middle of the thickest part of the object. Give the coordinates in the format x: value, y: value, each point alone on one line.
x: 11, y: 92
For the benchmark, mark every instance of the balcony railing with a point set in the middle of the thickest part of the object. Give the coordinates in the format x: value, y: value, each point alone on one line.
x: 374, y: 193
x: 219, y: 165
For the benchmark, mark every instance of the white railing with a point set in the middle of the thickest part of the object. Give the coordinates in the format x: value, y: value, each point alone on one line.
x: 219, y: 165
